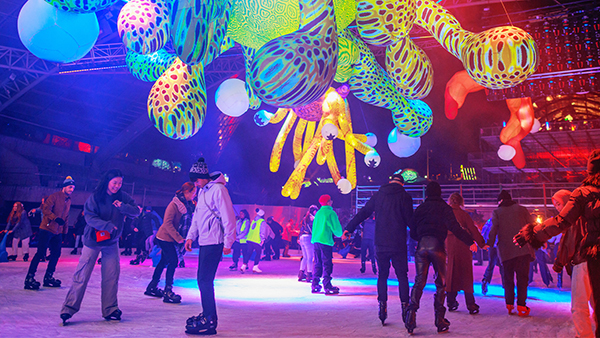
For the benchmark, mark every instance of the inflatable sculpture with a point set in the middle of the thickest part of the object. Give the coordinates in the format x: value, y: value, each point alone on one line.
x: 294, y: 51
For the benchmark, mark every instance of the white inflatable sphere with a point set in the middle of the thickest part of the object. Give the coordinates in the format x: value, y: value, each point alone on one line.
x: 372, y: 159
x: 536, y: 126
x: 402, y: 145
x: 231, y: 98
x: 371, y: 139
x: 506, y: 152
x: 55, y: 35
x: 262, y: 118
x: 329, y: 131
x: 344, y: 186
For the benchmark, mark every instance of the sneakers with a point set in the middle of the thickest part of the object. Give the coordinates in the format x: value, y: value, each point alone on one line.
x: 523, y: 310
x: 256, y: 269
x: 116, y: 315
x: 31, y: 283
x: 51, y: 282
x: 243, y: 268
x: 201, y: 325
x: 171, y: 297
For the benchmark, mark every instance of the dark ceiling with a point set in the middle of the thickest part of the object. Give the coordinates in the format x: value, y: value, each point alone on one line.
x: 98, y: 108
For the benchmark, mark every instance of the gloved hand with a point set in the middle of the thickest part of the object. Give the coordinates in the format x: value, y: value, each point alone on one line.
x: 59, y: 220
x: 526, y: 235
x: 557, y: 267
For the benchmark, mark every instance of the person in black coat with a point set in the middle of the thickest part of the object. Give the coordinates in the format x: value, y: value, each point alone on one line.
x: 393, y: 210
x: 272, y: 246
x: 430, y: 224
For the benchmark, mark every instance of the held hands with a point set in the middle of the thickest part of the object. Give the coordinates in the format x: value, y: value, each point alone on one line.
x: 527, y: 235
x: 346, y: 235
x: 117, y: 203
x: 188, y: 245
x: 473, y: 247
x: 226, y: 251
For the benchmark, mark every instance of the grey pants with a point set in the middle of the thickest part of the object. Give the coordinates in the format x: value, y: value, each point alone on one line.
x: 110, y: 279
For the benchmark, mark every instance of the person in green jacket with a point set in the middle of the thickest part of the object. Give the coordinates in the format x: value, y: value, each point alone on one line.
x: 325, y: 226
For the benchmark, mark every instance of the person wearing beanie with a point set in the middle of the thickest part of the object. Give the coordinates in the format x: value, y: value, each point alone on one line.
x: 583, y: 203
x: 55, y: 223
x: 393, y: 209
x: 430, y: 225
x: 325, y: 225
x: 569, y: 256
x: 258, y: 234
x: 213, y: 228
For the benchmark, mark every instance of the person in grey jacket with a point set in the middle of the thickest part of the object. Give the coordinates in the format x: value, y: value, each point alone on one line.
x: 105, y: 211
x: 213, y: 227
x: 18, y: 224
x: 507, y: 220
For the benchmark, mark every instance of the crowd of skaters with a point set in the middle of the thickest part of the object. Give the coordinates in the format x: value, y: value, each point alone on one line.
x: 444, y: 234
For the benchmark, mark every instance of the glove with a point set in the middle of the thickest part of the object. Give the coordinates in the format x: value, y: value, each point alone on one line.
x: 526, y: 235
x: 59, y: 220
x: 557, y: 267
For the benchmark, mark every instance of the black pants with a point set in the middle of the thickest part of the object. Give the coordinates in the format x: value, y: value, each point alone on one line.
x: 238, y: 249
x: 250, y: 248
x: 430, y: 250
x: 272, y: 247
x: 469, y: 298
x: 208, y: 262
x: 46, y: 240
x: 367, y: 245
x: 489, y: 271
x: 168, y: 259
x: 140, y: 244
x: 323, y: 264
x: 520, y: 267
x: 594, y: 274
x: 400, y: 263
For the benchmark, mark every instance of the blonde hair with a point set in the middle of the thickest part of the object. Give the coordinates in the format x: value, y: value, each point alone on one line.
x: 456, y: 199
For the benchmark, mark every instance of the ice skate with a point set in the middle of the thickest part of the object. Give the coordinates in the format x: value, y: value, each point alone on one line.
x: 153, y: 291
x: 382, y: 312
x: 51, y: 282
x: 331, y: 290
x: 523, y: 311
x: 31, y: 283
x: 243, y: 268
x: 65, y: 317
x: 301, y: 276
x: 316, y: 288
x: 201, y: 325
x: 171, y: 297
x: 116, y: 315
x: 255, y: 269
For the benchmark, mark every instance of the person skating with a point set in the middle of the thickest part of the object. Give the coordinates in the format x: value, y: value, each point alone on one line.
x: 460, y: 258
x: 584, y: 202
x: 147, y: 225
x: 272, y: 245
x: 258, y: 234
x: 507, y: 220
x: 242, y: 227
x: 54, y: 224
x: 325, y: 225
x: 308, y: 249
x: 393, y: 210
x: 493, y: 260
x: 18, y: 224
x: 167, y: 238
x: 213, y: 228
x: 105, y: 211
x: 430, y: 225
x: 368, y: 245
x: 79, y: 228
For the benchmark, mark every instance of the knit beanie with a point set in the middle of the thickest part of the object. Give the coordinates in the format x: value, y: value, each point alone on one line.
x: 260, y: 212
x: 504, y: 196
x: 68, y: 181
x: 562, y: 195
x: 433, y: 189
x: 593, y: 166
x: 324, y: 199
x: 199, y: 170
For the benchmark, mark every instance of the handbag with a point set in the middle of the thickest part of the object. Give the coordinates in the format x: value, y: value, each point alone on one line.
x: 102, y: 235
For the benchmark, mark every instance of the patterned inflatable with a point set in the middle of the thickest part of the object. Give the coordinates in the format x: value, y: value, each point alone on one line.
x: 81, y: 6
x: 149, y: 67
x: 144, y: 25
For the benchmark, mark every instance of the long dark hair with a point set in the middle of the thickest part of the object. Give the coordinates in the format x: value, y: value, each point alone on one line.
x: 246, y: 214
x: 16, y: 214
x: 593, y: 180
x: 100, y: 193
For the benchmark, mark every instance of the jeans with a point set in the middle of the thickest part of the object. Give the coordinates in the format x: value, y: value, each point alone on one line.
x: 46, y: 240
x: 400, y: 263
x: 308, y: 253
x: 323, y: 264
x: 168, y: 259
x: 520, y: 267
x: 540, y: 257
x: 208, y: 262
x: 238, y: 249
x: 489, y: 271
x: 110, y: 270
x: 430, y: 250
x: 581, y: 296
x: 250, y: 248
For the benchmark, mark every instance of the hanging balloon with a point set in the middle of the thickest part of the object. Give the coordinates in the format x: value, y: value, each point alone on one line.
x: 262, y: 118
x: 54, y: 35
x: 143, y: 25
x: 506, y: 152
x: 371, y: 139
x: 536, y: 126
x: 344, y: 186
x: 402, y: 145
x: 231, y: 97
x: 81, y: 6
x: 148, y: 67
x: 372, y: 159
x: 329, y: 131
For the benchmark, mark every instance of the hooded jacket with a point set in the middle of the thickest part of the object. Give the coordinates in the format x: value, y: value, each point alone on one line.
x: 214, y: 219
x: 104, y: 216
x: 393, y: 209
x: 168, y: 231
x: 325, y: 226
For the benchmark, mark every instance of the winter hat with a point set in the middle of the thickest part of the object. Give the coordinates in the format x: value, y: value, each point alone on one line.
x: 199, y: 170
x: 433, y: 189
x: 593, y: 166
x: 397, y: 176
x: 260, y: 212
x: 324, y: 199
x: 504, y: 196
x: 562, y: 195
x: 68, y: 181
